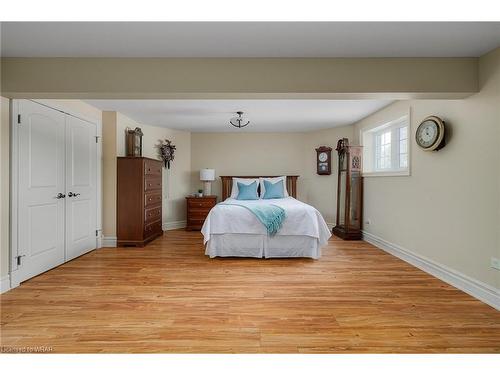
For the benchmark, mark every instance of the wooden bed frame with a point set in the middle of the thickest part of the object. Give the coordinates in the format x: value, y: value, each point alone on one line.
x: 227, y: 184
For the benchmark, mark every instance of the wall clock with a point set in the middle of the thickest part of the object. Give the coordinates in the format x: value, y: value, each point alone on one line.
x: 324, y: 160
x: 430, y: 134
x: 133, y: 142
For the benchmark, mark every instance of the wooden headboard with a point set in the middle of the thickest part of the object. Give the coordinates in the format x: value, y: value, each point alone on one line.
x: 227, y: 184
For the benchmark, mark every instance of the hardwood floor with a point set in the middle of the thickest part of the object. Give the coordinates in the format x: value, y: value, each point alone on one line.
x: 169, y: 297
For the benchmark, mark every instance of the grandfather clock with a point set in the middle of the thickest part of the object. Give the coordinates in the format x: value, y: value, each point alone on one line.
x: 349, y: 191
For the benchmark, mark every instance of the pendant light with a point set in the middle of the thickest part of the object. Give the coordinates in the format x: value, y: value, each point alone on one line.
x: 239, y: 121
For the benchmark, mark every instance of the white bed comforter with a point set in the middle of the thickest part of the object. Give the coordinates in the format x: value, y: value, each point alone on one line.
x: 301, y: 219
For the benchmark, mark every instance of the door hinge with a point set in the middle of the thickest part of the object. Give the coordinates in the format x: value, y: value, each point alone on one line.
x: 19, y: 118
x: 97, y: 139
x: 96, y: 233
x: 18, y: 259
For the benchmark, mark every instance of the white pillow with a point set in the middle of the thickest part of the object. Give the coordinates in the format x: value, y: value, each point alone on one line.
x: 245, y: 181
x: 272, y: 180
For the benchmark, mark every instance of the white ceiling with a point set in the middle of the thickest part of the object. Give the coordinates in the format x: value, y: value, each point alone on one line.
x: 250, y: 39
x: 265, y: 115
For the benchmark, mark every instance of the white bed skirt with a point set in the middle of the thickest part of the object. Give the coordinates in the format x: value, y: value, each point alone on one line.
x: 262, y: 246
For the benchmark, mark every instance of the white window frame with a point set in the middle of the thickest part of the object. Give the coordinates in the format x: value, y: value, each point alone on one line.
x: 368, y: 137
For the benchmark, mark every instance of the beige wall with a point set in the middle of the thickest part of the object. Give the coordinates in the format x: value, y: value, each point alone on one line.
x: 246, y: 154
x: 270, y: 154
x: 109, y: 174
x: 156, y: 78
x: 176, y: 180
x: 4, y: 187
x: 448, y: 210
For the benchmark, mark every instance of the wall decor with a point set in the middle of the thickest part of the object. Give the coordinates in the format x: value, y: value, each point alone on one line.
x: 167, y: 150
x: 324, y: 160
x: 430, y: 134
x: 133, y: 142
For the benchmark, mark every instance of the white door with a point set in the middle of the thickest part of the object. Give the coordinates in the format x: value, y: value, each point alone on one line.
x: 81, y: 190
x: 41, y: 189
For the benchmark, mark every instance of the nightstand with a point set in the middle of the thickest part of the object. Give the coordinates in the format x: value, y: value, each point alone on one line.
x: 198, y: 209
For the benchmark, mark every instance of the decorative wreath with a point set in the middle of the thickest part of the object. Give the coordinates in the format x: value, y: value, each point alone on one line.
x: 167, y: 150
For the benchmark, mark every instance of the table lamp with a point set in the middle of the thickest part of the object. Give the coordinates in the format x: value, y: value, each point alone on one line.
x: 207, y: 176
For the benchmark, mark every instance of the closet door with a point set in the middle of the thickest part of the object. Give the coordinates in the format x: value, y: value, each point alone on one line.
x: 41, y: 189
x: 81, y: 190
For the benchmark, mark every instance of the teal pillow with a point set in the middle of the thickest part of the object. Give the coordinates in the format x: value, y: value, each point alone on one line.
x: 273, y: 191
x: 247, y: 192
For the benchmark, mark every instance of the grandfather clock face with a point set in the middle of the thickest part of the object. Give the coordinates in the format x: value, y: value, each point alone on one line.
x: 356, y: 158
x: 324, y: 160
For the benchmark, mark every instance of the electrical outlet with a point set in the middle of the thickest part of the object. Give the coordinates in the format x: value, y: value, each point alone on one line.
x: 368, y: 221
x: 495, y: 263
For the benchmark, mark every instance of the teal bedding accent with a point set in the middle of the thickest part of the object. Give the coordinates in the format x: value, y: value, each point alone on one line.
x: 247, y: 192
x: 273, y: 191
x: 270, y: 215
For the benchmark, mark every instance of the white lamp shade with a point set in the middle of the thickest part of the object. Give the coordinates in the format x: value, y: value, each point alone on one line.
x: 207, y: 175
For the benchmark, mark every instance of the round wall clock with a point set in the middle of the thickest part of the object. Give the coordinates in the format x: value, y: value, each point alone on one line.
x: 430, y: 134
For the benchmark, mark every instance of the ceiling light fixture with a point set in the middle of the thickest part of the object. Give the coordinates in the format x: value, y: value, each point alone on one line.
x: 239, y: 121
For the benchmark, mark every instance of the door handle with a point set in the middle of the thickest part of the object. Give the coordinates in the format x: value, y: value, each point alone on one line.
x: 60, y: 196
x: 71, y: 194
x: 18, y: 259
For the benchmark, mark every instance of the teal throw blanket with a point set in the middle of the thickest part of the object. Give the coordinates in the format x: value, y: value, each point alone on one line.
x: 270, y: 215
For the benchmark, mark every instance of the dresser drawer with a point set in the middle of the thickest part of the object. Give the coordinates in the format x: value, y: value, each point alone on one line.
x: 152, y: 214
x: 198, y: 203
x: 195, y: 223
x: 197, y: 211
x: 152, y: 168
x: 152, y: 199
x: 152, y: 183
x: 198, y: 215
x: 153, y: 228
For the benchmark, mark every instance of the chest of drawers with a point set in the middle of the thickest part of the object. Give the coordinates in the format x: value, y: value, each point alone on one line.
x: 198, y: 209
x: 139, y: 201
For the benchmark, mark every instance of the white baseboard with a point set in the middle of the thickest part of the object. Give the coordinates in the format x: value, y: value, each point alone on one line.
x: 475, y: 288
x: 108, y: 242
x: 174, y: 225
x: 4, y: 284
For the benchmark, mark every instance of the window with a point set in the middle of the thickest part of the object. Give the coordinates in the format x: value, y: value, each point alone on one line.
x: 386, y: 149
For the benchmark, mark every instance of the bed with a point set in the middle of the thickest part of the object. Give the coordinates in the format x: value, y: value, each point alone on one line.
x: 233, y: 231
